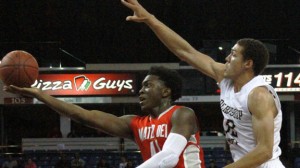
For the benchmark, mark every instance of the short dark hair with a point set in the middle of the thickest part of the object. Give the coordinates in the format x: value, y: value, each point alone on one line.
x: 256, y: 51
x: 171, y: 79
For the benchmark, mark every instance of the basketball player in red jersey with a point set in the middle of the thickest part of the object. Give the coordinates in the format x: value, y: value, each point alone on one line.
x: 168, y: 135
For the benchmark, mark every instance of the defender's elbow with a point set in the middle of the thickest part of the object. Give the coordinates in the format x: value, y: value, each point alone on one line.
x: 267, y: 154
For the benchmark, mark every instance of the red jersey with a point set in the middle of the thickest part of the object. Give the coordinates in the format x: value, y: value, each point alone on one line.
x: 151, y: 133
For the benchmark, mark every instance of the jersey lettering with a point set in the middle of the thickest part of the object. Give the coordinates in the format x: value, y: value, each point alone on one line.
x: 162, y: 130
x: 154, y: 147
x: 235, y: 113
x: 149, y: 132
x: 229, y: 129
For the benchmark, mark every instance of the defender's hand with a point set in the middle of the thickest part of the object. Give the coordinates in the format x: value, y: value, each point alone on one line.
x: 140, y: 14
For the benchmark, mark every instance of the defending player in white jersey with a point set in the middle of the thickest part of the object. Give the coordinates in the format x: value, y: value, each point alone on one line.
x: 251, y: 109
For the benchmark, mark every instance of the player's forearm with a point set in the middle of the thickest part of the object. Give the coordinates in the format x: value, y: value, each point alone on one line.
x: 253, y: 159
x: 169, y: 155
x: 92, y: 118
x: 183, y: 50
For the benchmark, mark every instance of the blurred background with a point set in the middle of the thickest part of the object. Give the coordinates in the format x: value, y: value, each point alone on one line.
x: 95, y: 31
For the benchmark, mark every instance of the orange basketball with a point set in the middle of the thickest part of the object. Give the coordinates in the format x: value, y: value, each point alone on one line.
x: 19, y: 68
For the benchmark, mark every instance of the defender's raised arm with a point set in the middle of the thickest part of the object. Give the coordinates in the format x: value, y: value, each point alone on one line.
x: 176, y: 44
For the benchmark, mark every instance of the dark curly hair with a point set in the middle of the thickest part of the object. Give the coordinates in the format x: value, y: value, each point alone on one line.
x: 171, y: 79
x: 256, y: 51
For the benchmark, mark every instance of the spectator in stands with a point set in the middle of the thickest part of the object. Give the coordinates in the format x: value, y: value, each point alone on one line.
x: 129, y: 164
x: 123, y: 162
x: 63, y: 162
x: 168, y: 135
x: 10, y: 162
x: 72, y: 134
x: 102, y: 163
x: 77, y: 162
x: 55, y: 133
x: 30, y: 164
x: 250, y: 106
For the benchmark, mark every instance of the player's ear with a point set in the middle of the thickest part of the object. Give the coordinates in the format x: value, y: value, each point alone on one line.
x: 248, y: 63
x: 166, y: 92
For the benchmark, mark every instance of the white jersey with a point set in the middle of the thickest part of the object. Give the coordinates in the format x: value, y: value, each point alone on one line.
x: 238, y: 119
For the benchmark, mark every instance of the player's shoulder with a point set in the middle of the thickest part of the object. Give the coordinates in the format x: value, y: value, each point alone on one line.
x: 260, y: 94
x: 183, y: 111
x: 259, y: 91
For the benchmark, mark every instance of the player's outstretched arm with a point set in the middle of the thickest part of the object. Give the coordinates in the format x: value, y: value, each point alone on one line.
x: 111, y: 124
x: 176, y: 44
